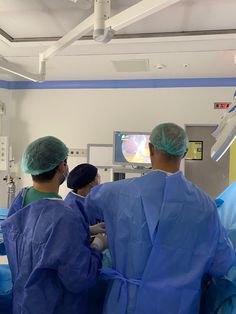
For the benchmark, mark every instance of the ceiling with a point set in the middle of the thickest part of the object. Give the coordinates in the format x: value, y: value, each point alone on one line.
x: 192, y: 38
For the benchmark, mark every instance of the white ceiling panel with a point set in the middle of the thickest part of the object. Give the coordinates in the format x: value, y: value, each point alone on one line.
x: 39, y: 18
x: 189, y: 15
x: 43, y: 18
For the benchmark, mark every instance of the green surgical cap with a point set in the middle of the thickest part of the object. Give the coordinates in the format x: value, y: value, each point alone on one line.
x: 43, y: 155
x: 170, y: 138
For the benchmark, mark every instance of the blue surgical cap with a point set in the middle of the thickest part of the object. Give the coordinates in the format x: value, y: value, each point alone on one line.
x: 81, y: 175
x: 170, y: 138
x: 43, y: 155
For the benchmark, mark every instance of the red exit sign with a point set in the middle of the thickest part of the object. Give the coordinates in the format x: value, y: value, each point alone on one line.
x: 222, y: 105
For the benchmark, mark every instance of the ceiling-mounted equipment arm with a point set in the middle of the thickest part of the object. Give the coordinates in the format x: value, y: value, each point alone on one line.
x: 127, y: 17
x: 80, y: 30
x: 225, y: 132
x: 15, y: 69
x: 97, y: 20
x: 102, y: 11
x: 76, y: 33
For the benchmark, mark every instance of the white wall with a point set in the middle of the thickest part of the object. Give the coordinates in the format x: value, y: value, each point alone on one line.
x: 5, y: 130
x: 79, y: 117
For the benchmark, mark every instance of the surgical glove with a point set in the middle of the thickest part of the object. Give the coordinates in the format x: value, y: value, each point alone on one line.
x: 98, y: 228
x: 100, y: 242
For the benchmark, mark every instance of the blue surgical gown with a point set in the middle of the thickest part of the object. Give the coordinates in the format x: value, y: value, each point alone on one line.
x: 5, y: 289
x: 92, y: 211
x: 50, y: 258
x: 97, y: 293
x: 77, y: 203
x: 220, y: 296
x: 227, y: 211
x: 164, y: 234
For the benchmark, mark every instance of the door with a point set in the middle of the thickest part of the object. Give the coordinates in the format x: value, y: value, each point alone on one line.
x: 211, y: 176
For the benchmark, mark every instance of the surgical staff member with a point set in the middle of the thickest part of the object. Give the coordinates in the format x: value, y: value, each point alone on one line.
x: 164, y: 234
x: 47, y: 242
x: 81, y: 180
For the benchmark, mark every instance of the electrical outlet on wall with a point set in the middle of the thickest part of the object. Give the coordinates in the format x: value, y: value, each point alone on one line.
x: 77, y: 152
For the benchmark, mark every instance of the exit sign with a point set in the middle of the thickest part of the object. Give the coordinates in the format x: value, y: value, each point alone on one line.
x: 222, y: 105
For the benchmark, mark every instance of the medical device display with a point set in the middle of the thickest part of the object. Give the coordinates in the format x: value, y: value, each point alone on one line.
x: 195, y: 150
x: 131, y: 148
x: 225, y: 132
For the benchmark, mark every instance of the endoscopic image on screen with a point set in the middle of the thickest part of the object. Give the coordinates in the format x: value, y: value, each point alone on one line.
x: 132, y: 148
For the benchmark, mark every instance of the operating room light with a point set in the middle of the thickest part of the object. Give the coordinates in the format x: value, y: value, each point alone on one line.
x: 225, y: 133
x: 217, y: 154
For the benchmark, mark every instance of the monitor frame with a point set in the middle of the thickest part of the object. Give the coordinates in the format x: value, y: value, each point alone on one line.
x: 201, y: 153
x: 126, y: 163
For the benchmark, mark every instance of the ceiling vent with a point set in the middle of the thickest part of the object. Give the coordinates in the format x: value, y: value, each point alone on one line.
x: 133, y: 65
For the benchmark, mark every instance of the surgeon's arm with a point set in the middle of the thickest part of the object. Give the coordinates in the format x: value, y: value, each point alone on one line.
x: 224, y: 256
x: 77, y: 263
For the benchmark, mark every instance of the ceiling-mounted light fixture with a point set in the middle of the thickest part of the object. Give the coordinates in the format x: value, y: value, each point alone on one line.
x: 225, y: 132
x: 102, y: 11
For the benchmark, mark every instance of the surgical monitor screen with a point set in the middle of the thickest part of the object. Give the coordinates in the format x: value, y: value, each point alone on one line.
x: 131, y: 148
